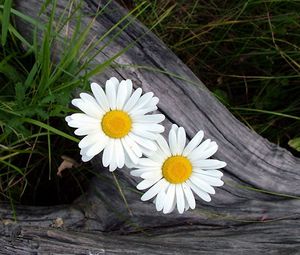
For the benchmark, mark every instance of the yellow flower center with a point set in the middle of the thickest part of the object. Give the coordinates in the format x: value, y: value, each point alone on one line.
x: 116, y: 124
x: 177, y: 169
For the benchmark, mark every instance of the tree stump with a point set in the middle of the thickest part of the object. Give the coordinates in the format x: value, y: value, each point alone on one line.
x: 239, y: 220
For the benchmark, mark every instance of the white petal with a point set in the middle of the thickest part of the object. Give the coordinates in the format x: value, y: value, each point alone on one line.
x: 143, y: 111
x: 202, y: 184
x: 144, y: 134
x: 153, y: 118
x: 114, y: 160
x: 86, y: 158
x: 97, y: 147
x: 115, y: 81
x: 128, y: 162
x: 150, y: 106
x: 149, y: 163
x: 209, y: 152
x: 119, y: 153
x: 143, y: 141
x: 181, y: 139
x: 84, y: 150
x: 189, y: 195
x: 169, y: 199
x: 146, y: 152
x: 87, y: 108
x: 213, y: 173
x: 83, y: 118
x: 160, y: 200
x: 141, y: 171
x: 121, y: 95
x: 173, y: 142
x: 137, y: 173
x: 174, y: 127
x: 143, y: 100
x: 68, y: 118
x: 108, y: 153
x: 196, y: 153
x: 133, y: 146
x: 210, y: 180
x: 85, y: 131
x: 111, y: 92
x: 209, y: 164
x: 91, y: 101
x: 129, y: 152
x: 133, y: 99
x: 129, y: 89
x: 80, y: 124
x: 187, y: 206
x: 202, y: 194
x: 173, y: 206
x: 193, y: 143
x: 145, y: 184
x: 205, y: 145
x: 151, y: 127
x: 113, y: 165
x: 151, y: 174
x: 154, y: 190
x: 180, y: 198
x: 90, y: 139
x: 154, y: 101
x: 158, y: 156
x: 100, y: 96
x: 163, y: 145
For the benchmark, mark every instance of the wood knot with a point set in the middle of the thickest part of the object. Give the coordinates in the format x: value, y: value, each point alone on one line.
x: 57, y: 223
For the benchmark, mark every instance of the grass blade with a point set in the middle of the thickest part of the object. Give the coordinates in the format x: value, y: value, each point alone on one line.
x: 266, y: 112
x: 51, y: 129
x: 5, y: 20
x: 295, y: 143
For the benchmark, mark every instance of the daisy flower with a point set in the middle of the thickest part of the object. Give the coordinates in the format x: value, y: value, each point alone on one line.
x: 116, y: 122
x: 175, y: 171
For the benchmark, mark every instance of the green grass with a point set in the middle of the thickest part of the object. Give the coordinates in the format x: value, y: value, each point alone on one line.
x: 32, y: 104
x: 246, y: 52
x: 37, y: 85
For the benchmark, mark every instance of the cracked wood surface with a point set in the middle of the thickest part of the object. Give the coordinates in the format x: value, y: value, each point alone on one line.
x: 239, y: 219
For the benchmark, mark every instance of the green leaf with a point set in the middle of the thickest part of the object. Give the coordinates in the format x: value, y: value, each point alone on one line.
x: 10, y: 71
x: 30, y: 80
x: 5, y: 20
x: 20, y: 93
x: 295, y: 143
x: 58, y: 111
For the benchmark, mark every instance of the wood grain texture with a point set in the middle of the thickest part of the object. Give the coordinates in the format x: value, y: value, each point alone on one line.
x: 237, y: 221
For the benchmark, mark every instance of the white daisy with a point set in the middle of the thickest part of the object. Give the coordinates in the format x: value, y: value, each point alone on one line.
x: 115, y: 121
x: 175, y: 171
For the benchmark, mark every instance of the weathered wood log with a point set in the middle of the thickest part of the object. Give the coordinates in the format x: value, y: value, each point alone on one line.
x: 239, y: 220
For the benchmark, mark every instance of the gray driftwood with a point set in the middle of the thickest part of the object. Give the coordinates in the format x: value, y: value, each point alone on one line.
x: 237, y: 221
